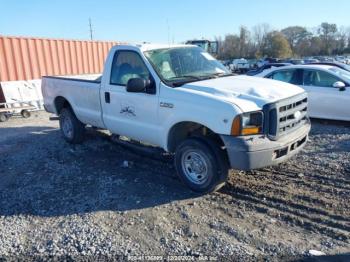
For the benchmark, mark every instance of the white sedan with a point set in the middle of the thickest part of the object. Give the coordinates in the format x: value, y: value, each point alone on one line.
x: 328, y: 88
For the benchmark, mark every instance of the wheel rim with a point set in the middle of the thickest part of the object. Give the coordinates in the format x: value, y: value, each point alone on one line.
x: 195, y: 167
x: 67, y: 127
x: 3, y: 117
x: 26, y: 114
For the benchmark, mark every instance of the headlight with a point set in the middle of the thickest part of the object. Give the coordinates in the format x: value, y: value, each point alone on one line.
x: 248, y: 124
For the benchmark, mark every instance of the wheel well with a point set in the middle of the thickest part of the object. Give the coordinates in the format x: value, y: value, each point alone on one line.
x: 60, y: 103
x: 183, y: 130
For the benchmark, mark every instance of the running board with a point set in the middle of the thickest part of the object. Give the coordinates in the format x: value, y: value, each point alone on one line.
x: 54, y: 118
x: 142, y: 149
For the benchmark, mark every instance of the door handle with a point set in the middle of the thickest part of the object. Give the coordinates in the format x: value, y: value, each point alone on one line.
x: 107, y: 97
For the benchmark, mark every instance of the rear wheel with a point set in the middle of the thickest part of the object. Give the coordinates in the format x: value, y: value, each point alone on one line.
x: 3, y: 117
x: 200, y: 165
x: 25, y: 113
x: 72, y: 129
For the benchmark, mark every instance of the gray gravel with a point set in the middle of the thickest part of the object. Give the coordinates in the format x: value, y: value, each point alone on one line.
x: 102, y: 199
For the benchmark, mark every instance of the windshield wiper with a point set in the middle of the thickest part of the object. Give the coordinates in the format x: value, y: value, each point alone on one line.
x: 185, y: 79
x: 221, y: 74
x: 197, y: 78
x: 186, y: 76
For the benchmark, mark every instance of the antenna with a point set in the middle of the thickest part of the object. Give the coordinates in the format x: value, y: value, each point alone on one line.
x: 90, y: 26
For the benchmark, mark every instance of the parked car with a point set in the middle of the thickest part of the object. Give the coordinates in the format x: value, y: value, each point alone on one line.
x: 181, y: 99
x: 294, y: 61
x: 240, y: 65
x: 336, y: 64
x: 226, y: 63
x: 266, y: 67
x: 328, y: 88
x: 253, y: 64
x: 342, y: 59
x: 266, y: 60
x: 326, y: 59
x: 310, y: 60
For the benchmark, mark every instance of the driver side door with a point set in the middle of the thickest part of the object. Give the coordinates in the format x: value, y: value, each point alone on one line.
x: 134, y: 115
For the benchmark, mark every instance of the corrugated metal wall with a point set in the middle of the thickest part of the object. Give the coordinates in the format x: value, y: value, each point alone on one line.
x: 24, y: 58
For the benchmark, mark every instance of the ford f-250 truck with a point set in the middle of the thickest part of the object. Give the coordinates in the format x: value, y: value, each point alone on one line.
x: 181, y: 99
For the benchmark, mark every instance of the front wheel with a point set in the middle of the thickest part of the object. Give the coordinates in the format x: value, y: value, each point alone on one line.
x: 3, y: 117
x: 72, y: 129
x: 25, y: 113
x: 201, y: 165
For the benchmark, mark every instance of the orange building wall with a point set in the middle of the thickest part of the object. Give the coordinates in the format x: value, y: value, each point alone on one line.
x: 26, y: 58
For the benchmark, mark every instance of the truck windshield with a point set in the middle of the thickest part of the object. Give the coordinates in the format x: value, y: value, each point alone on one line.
x: 181, y: 65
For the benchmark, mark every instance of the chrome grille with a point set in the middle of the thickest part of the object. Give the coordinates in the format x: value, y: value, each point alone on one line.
x: 286, y: 115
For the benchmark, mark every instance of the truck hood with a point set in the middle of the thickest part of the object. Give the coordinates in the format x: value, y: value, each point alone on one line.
x: 246, y: 92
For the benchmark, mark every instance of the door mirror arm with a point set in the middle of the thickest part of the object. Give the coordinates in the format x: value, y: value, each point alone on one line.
x: 151, y: 88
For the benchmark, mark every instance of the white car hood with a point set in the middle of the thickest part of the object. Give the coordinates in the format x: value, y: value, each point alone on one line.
x: 246, y: 92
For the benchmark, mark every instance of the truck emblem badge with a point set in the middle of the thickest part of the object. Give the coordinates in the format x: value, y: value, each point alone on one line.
x: 128, y: 110
x: 297, y: 114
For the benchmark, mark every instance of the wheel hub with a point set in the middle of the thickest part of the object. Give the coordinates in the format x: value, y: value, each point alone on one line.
x: 67, y: 127
x: 195, y: 167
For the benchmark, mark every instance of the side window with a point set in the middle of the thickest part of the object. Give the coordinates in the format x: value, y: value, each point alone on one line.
x: 319, y: 78
x: 127, y: 65
x: 283, y: 75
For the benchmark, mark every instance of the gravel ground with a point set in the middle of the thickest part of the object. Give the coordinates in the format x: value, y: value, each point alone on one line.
x: 59, y: 200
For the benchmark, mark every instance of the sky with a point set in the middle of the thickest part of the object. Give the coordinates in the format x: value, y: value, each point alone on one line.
x: 161, y: 21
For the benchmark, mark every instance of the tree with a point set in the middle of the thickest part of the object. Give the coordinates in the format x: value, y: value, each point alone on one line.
x: 295, y: 34
x: 244, y: 41
x: 311, y: 46
x: 276, y: 45
x: 260, y: 31
x: 341, y: 41
x: 231, y: 46
x: 327, y: 33
x: 325, y: 39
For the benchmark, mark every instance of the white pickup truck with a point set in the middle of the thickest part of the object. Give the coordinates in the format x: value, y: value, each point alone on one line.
x: 181, y: 99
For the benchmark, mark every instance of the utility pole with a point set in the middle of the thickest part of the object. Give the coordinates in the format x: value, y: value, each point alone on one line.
x: 90, y: 26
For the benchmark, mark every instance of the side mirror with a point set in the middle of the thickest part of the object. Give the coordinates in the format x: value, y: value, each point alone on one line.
x: 137, y: 85
x: 340, y: 85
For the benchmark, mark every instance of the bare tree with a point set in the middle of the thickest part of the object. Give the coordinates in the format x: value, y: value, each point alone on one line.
x: 328, y: 34
x: 259, y: 33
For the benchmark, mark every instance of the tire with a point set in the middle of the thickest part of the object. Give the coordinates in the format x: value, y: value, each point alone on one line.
x: 72, y: 129
x: 201, y: 165
x: 25, y: 113
x: 3, y: 117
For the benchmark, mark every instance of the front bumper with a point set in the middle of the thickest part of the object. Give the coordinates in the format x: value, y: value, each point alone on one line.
x: 252, y: 152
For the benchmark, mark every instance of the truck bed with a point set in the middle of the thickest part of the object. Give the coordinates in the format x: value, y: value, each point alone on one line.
x: 82, y: 92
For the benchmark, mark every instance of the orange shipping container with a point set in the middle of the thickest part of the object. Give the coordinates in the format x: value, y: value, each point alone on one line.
x: 26, y: 58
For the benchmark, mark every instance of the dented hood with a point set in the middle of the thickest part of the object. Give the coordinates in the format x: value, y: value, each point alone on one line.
x: 246, y: 92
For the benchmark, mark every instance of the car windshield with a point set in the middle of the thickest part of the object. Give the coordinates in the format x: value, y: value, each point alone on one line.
x: 181, y: 65
x: 341, y: 73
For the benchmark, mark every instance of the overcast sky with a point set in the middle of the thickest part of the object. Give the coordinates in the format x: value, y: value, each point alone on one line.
x: 160, y: 21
